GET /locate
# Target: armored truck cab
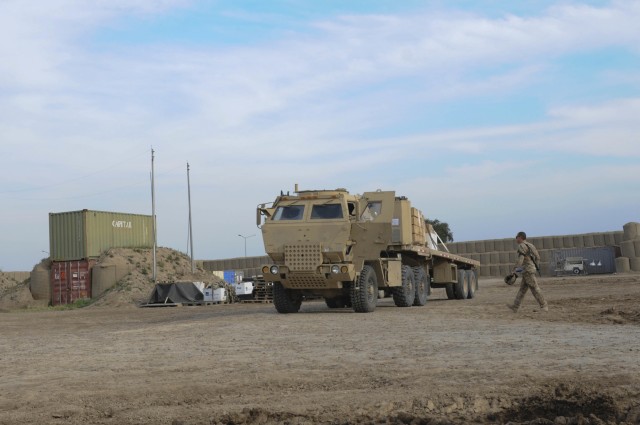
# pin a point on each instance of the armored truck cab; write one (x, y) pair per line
(347, 248)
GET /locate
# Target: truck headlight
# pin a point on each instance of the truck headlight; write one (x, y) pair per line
(335, 269)
(274, 269)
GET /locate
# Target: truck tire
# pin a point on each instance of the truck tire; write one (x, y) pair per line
(450, 292)
(422, 286)
(576, 270)
(404, 295)
(285, 300)
(364, 295)
(461, 287)
(473, 284)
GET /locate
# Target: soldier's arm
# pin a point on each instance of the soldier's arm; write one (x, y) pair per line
(519, 259)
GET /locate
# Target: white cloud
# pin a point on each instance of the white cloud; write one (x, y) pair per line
(338, 106)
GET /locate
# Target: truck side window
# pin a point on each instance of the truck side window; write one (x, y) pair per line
(326, 211)
(289, 212)
(371, 211)
(352, 208)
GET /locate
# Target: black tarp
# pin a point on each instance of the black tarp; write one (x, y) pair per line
(179, 292)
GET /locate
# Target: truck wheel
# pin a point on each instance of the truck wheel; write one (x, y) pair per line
(422, 286)
(475, 273)
(450, 292)
(461, 287)
(576, 270)
(364, 295)
(473, 284)
(338, 302)
(285, 300)
(404, 295)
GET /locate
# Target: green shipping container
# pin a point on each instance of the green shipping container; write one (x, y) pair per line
(77, 235)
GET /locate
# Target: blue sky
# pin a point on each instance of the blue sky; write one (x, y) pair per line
(494, 116)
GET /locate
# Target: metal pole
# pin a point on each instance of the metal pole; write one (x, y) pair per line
(245, 243)
(193, 264)
(153, 218)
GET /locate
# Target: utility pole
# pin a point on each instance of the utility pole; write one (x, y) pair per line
(193, 264)
(245, 243)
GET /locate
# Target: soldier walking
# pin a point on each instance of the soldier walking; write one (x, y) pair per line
(527, 264)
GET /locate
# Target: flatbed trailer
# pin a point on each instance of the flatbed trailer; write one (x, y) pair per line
(349, 248)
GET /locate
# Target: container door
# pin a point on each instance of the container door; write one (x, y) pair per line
(70, 281)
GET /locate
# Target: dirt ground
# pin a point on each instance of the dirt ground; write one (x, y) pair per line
(450, 362)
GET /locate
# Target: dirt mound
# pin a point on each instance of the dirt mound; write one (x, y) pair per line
(617, 316)
(6, 281)
(136, 286)
(567, 403)
(16, 295)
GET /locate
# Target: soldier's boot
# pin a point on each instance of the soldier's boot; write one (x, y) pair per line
(513, 307)
(544, 307)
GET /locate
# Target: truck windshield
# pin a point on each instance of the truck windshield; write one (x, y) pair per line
(326, 211)
(289, 212)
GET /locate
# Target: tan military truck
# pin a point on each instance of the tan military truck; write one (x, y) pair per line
(351, 249)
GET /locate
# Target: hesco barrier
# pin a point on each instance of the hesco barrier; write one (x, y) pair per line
(104, 276)
(499, 255)
(630, 246)
(17, 276)
(40, 282)
(248, 266)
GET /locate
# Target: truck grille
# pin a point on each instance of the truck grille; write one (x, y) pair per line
(306, 281)
(303, 257)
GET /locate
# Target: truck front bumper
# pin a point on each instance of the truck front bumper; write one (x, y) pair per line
(324, 277)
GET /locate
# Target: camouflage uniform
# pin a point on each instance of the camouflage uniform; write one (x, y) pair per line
(528, 276)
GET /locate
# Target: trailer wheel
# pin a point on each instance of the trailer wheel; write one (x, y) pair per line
(404, 295)
(285, 300)
(461, 287)
(473, 284)
(364, 295)
(422, 286)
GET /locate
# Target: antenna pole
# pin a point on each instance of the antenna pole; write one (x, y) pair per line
(193, 264)
(153, 217)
